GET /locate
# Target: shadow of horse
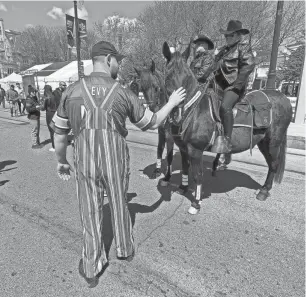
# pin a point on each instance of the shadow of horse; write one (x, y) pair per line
(224, 182)
(134, 208)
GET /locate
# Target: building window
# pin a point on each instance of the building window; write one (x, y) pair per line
(10, 71)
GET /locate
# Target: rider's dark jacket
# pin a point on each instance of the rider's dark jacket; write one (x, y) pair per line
(233, 65)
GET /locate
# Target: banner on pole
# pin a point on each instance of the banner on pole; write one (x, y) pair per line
(69, 29)
(82, 29)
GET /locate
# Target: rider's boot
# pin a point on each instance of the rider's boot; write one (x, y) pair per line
(223, 144)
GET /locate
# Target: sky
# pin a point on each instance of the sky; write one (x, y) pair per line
(17, 15)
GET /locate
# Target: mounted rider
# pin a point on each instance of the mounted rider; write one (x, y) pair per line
(234, 63)
(203, 58)
(202, 64)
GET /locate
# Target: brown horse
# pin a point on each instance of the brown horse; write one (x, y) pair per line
(198, 134)
(151, 84)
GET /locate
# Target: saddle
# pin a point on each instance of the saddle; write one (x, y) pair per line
(253, 111)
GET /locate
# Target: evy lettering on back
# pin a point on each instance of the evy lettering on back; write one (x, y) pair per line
(98, 91)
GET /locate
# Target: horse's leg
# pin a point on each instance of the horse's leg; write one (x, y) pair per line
(170, 146)
(160, 149)
(185, 170)
(197, 173)
(215, 164)
(275, 156)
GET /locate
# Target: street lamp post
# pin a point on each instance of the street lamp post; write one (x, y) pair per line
(77, 34)
(274, 53)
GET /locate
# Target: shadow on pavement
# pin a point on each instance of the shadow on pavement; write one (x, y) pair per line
(3, 182)
(225, 181)
(3, 164)
(134, 208)
(45, 142)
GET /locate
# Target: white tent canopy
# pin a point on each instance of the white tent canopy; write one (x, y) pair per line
(68, 73)
(38, 67)
(13, 78)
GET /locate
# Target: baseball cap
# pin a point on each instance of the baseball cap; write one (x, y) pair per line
(104, 48)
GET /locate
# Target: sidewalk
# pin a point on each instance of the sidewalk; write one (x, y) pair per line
(295, 135)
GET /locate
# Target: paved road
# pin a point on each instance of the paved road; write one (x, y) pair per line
(236, 246)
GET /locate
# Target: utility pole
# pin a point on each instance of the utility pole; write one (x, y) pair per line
(274, 53)
(77, 34)
(299, 117)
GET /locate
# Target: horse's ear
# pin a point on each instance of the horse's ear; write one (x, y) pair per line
(166, 51)
(186, 53)
(137, 71)
(152, 67)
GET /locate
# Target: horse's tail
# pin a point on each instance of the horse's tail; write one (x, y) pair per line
(281, 161)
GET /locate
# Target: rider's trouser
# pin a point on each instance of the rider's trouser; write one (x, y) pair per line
(102, 164)
(226, 112)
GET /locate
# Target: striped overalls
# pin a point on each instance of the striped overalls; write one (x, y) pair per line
(101, 164)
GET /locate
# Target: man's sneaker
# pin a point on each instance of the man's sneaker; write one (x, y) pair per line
(51, 149)
(128, 258)
(93, 281)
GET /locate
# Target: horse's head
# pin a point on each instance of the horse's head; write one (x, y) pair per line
(152, 87)
(178, 73)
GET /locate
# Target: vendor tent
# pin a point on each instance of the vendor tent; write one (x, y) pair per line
(68, 73)
(12, 78)
(36, 68)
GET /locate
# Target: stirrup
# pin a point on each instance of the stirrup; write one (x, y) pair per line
(222, 145)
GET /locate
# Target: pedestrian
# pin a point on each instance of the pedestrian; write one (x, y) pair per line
(33, 109)
(2, 96)
(59, 91)
(96, 108)
(21, 99)
(12, 98)
(235, 62)
(51, 104)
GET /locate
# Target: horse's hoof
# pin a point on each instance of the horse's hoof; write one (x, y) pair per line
(222, 167)
(164, 183)
(262, 195)
(156, 173)
(183, 189)
(193, 210)
(213, 173)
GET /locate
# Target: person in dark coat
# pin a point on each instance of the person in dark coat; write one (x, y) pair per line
(51, 104)
(33, 108)
(203, 58)
(59, 91)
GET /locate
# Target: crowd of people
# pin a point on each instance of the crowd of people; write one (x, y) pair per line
(30, 105)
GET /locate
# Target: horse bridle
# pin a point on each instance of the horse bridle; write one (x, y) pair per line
(157, 98)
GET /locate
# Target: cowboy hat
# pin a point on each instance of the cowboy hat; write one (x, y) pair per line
(203, 38)
(234, 26)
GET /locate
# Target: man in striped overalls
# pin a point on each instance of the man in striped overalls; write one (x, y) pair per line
(96, 108)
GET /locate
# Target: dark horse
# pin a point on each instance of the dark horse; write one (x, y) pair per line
(151, 84)
(197, 136)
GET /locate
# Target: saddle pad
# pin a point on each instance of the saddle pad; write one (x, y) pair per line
(260, 115)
